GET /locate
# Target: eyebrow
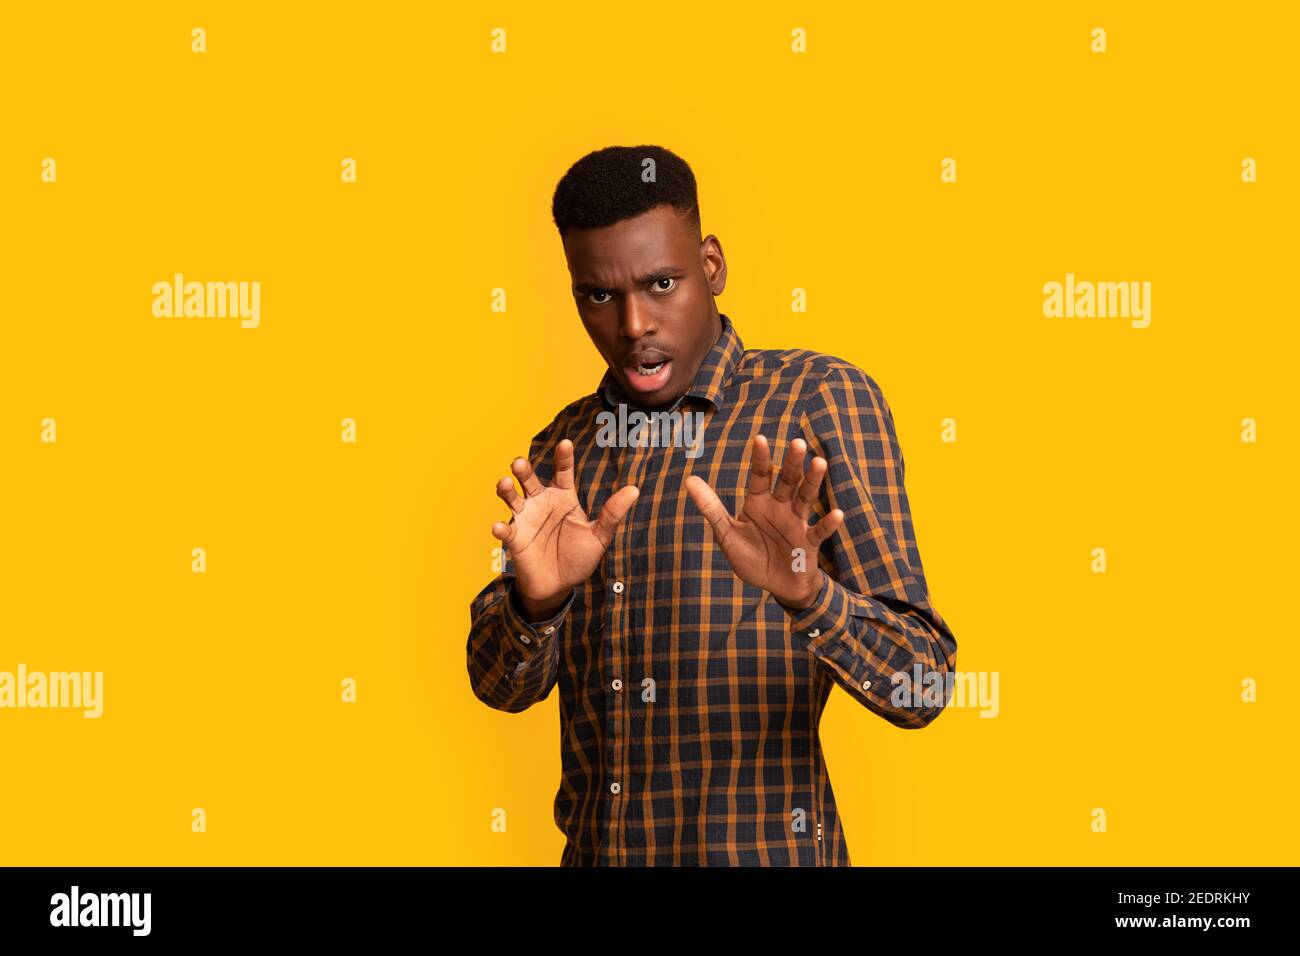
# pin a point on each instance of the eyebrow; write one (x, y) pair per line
(663, 273)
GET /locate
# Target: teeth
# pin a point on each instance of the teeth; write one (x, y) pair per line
(649, 369)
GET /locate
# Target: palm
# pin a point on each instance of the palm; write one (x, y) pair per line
(552, 543)
(764, 542)
(554, 547)
(771, 545)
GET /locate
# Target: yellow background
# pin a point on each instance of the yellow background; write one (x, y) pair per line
(818, 171)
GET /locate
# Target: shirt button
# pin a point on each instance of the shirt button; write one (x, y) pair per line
(618, 684)
(814, 632)
(614, 788)
(525, 638)
(618, 587)
(866, 685)
(549, 630)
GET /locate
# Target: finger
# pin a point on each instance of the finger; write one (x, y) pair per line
(825, 528)
(615, 510)
(505, 533)
(710, 506)
(506, 492)
(791, 470)
(563, 469)
(760, 467)
(808, 490)
(523, 470)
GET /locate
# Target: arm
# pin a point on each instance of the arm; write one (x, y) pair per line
(517, 622)
(873, 618)
(512, 658)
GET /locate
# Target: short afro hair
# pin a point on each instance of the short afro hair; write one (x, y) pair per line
(609, 185)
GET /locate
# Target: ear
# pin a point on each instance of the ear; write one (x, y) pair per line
(714, 262)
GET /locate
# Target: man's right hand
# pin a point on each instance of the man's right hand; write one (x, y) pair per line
(553, 546)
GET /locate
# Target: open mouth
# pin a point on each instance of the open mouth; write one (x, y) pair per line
(649, 376)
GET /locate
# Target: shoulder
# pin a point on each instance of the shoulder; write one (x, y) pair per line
(818, 376)
(569, 420)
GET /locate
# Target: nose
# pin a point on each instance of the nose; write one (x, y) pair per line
(637, 322)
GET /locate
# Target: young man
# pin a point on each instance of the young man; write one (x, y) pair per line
(695, 650)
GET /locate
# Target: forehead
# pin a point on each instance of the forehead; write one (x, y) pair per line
(654, 239)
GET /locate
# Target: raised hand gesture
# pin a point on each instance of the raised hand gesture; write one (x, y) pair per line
(761, 544)
(550, 541)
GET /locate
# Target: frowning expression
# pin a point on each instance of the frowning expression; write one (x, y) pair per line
(645, 290)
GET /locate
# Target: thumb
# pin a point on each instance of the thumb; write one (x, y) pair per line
(611, 516)
(714, 511)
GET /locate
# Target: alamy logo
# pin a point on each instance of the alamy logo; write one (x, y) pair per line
(950, 689)
(655, 430)
(208, 300)
(75, 689)
(102, 909)
(1099, 300)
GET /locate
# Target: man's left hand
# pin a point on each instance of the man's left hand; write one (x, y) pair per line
(772, 537)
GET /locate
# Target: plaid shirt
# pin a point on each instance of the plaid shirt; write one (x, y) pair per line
(690, 700)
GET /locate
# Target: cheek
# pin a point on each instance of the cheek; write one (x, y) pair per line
(597, 339)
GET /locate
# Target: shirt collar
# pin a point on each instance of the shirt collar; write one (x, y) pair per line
(710, 378)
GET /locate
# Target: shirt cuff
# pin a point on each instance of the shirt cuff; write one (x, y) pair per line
(823, 627)
(529, 637)
(827, 616)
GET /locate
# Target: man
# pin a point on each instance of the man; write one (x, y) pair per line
(695, 650)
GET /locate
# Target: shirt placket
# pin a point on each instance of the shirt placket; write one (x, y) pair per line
(619, 619)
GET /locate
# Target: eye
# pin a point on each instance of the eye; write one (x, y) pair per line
(597, 293)
(665, 279)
